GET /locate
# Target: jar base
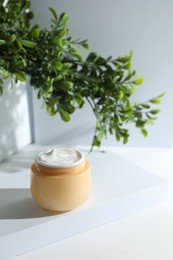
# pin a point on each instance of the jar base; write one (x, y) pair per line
(58, 210)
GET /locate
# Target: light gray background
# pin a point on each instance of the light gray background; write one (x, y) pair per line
(114, 27)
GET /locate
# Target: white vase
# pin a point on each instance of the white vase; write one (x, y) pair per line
(15, 130)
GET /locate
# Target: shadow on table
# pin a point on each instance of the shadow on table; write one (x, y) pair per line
(20, 161)
(18, 204)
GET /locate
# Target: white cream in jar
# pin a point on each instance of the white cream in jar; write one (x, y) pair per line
(60, 157)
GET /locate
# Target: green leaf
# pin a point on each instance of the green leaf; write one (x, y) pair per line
(140, 124)
(128, 65)
(96, 142)
(85, 45)
(59, 77)
(120, 95)
(150, 122)
(145, 106)
(59, 42)
(63, 20)
(161, 95)
(77, 54)
(149, 116)
(125, 58)
(100, 135)
(118, 137)
(19, 44)
(92, 56)
(1, 87)
(100, 61)
(67, 85)
(28, 44)
(2, 42)
(155, 101)
(50, 108)
(130, 75)
(66, 67)
(24, 63)
(58, 65)
(39, 94)
(132, 89)
(59, 53)
(1, 90)
(125, 139)
(61, 33)
(69, 108)
(12, 38)
(78, 99)
(35, 32)
(20, 75)
(154, 111)
(64, 115)
(138, 81)
(53, 13)
(144, 132)
(5, 74)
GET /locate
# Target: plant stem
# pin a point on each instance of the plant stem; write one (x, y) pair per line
(92, 107)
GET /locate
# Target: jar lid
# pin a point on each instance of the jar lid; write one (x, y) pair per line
(60, 157)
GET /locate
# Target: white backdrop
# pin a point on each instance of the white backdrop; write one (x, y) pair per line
(114, 27)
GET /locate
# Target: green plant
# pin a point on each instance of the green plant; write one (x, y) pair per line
(63, 79)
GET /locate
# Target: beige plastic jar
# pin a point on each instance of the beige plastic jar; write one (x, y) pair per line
(60, 179)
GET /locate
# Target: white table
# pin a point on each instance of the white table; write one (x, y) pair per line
(145, 235)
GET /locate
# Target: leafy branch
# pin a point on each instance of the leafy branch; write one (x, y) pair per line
(64, 80)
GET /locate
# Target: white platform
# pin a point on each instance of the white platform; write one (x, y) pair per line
(120, 188)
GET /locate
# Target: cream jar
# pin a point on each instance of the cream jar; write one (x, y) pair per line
(60, 179)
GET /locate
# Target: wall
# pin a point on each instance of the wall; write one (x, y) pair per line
(114, 27)
(14, 120)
